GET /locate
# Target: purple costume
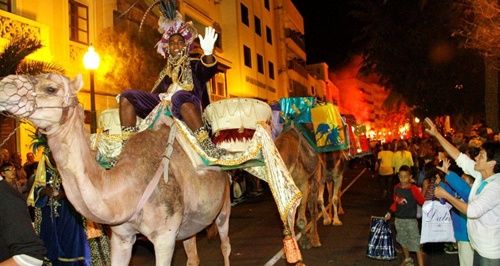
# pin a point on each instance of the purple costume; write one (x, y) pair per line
(145, 102)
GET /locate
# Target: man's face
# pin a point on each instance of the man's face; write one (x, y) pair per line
(22, 181)
(30, 157)
(481, 161)
(176, 44)
(9, 173)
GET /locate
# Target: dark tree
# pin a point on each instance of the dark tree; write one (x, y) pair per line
(411, 45)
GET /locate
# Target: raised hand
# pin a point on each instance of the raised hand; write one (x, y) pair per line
(207, 43)
(430, 127)
(446, 165)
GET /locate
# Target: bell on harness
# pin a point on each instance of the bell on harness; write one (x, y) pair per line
(207, 145)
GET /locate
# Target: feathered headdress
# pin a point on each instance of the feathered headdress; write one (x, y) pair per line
(170, 23)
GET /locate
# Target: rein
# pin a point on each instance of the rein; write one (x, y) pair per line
(64, 116)
(162, 170)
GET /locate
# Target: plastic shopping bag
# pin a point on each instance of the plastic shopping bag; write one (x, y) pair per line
(436, 222)
(380, 242)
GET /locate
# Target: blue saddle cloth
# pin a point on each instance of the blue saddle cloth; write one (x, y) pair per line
(297, 109)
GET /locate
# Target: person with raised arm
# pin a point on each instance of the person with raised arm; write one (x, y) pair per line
(483, 206)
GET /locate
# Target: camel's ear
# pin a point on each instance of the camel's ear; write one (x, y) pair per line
(77, 83)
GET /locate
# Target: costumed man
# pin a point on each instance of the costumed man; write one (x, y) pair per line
(70, 238)
(182, 82)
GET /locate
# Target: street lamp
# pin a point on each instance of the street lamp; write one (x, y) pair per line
(91, 62)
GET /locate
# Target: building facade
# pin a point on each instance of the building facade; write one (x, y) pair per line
(261, 50)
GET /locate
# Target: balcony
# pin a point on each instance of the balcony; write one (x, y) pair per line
(14, 25)
(295, 42)
(297, 66)
(297, 38)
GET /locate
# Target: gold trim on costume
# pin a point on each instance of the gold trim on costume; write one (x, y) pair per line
(208, 64)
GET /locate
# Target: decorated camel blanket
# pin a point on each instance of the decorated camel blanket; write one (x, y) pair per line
(260, 158)
(320, 123)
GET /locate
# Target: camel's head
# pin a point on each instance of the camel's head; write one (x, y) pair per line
(39, 98)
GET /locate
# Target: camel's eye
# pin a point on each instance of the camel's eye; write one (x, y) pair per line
(51, 90)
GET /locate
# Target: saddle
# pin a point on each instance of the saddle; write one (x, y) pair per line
(256, 155)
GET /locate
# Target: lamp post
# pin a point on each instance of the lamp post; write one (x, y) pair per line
(91, 62)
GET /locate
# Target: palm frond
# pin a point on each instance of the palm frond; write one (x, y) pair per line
(30, 67)
(39, 141)
(16, 50)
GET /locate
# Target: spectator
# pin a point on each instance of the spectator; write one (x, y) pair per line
(402, 156)
(385, 170)
(30, 167)
(405, 199)
(8, 172)
(483, 207)
(460, 188)
(19, 244)
(4, 156)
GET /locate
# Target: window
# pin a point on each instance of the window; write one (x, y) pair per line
(201, 30)
(270, 67)
(5, 5)
(269, 35)
(218, 87)
(266, 5)
(244, 15)
(78, 22)
(260, 64)
(247, 53)
(258, 28)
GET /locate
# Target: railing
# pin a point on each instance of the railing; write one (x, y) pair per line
(14, 25)
(296, 37)
(297, 67)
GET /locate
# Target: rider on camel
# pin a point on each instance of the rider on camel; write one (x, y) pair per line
(182, 81)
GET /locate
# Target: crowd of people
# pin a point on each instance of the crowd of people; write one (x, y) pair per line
(458, 169)
(38, 224)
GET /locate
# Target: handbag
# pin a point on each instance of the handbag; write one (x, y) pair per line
(381, 241)
(437, 225)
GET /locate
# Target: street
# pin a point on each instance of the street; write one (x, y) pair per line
(255, 232)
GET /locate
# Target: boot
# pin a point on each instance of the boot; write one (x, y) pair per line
(207, 145)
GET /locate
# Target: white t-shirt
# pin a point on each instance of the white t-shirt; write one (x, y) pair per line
(483, 211)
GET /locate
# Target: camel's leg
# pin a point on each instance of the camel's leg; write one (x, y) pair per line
(191, 251)
(222, 222)
(321, 192)
(122, 241)
(313, 210)
(164, 239)
(337, 184)
(301, 216)
(321, 203)
(329, 209)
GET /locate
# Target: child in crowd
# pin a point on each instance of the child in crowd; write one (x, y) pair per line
(405, 199)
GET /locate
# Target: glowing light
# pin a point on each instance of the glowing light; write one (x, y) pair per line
(91, 59)
(417, 120)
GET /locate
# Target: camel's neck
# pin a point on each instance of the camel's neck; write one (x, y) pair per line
(86, 183)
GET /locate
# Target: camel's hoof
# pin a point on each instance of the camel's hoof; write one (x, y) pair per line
(341, 211)
(337, 223)
(327, 221)
(316, 243)
(300, 264)
(304, 243)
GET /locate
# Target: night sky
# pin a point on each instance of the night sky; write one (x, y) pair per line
(329, 31)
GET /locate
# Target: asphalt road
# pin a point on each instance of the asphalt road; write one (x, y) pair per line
(255, 232)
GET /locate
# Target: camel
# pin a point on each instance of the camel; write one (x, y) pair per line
(305, 168)
(177, 208)
(334, 163)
